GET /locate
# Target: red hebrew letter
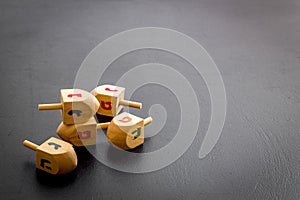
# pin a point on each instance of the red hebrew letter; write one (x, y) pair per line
(76, 95)
(106, 105)
(84, 135)
(125, 119)
(107, 89)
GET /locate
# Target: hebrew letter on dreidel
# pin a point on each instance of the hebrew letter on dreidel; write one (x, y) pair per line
(137, 132)
(106, 105)
(84, 135)
(125, 119)
(56, 146)
(43, 162)
(74, 95)
(77, 112)
(107, 89)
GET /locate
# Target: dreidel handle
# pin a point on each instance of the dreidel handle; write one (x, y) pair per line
(102, 125)
(30, 145)
(53, 106)
(147, 121)
(131, 104)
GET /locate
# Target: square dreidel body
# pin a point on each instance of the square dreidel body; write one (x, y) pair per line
(109, 97)
(78, 106)
(79, 134)
(126, 131)
(56, 156)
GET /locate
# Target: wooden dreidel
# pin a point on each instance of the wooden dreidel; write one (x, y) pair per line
(111, 99)
(80, 134)
(54, 156)
(77, 106)
(126, 131)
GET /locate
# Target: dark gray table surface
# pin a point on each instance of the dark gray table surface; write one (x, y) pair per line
(255, 44)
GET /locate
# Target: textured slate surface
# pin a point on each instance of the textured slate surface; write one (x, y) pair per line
(256, 47)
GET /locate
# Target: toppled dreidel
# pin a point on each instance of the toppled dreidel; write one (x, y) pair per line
(54, 156)
(111, 99)
(126, 131)
(77, 106)
(81, 134)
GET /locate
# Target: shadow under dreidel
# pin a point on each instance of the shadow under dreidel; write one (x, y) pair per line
(103, 118)
(55, 180)
(86, 161)
(138, 149)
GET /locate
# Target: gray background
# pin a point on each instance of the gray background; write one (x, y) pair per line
(256, 47)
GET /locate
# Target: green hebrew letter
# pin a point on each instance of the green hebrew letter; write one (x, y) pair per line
(138, 131)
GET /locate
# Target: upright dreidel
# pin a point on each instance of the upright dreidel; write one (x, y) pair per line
(54, 156)
(111, 99)
(77, 106)
(125, 131)
(81, 134)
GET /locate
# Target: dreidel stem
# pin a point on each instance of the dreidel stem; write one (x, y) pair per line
(102, 125)
(131, 104)
(30, 145)
(147, 121)
(53, 106)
